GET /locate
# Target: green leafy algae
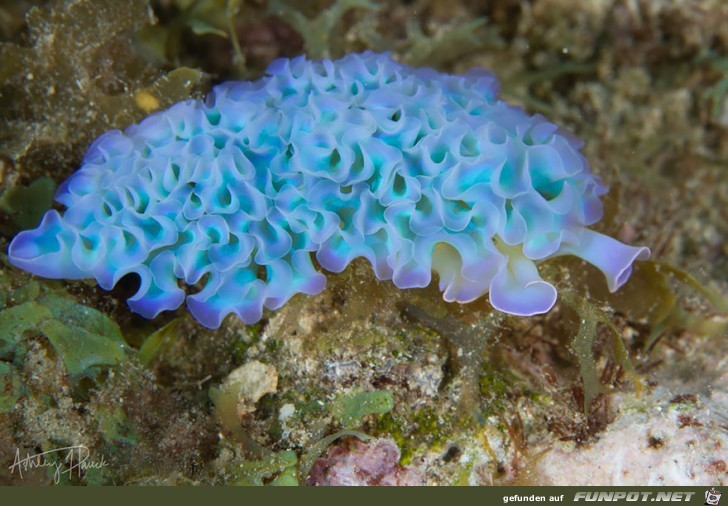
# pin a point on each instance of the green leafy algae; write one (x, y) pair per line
(279, 469)
(317, 32)
(583, 348)
(84, 338)
(351, 409)
(27, 204)
(449, 43)
(158, 342)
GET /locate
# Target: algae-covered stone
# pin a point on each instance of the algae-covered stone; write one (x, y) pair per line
(59, 89)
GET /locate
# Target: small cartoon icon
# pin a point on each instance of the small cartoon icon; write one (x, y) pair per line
(712, 497)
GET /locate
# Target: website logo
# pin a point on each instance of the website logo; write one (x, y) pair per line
(712, 497)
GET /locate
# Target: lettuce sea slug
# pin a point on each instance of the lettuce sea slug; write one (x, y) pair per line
(414, 170)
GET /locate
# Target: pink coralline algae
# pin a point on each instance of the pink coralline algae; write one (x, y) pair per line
(357, 463)
(414, 170)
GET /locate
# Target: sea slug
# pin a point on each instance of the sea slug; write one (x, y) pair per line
(414, 170)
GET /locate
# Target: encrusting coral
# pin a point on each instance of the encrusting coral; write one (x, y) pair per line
(415, 170)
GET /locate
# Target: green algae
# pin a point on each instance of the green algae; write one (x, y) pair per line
(159, 342)
(322, 34)
(56, 355)
(418, 431)
(652, 298)
(308, 459)
(188, 22)
(494, 387)
(29, 309)
(27, 204)
(583, 348)
(83, 337)
(449, 43)
(279, 469)
(351, 409)
(285, 468)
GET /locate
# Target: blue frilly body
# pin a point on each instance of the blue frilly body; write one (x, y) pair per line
(414, 170)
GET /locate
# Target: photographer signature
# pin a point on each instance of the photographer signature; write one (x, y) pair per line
(67, 460)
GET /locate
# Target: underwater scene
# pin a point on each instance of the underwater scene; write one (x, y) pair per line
(364, 242)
